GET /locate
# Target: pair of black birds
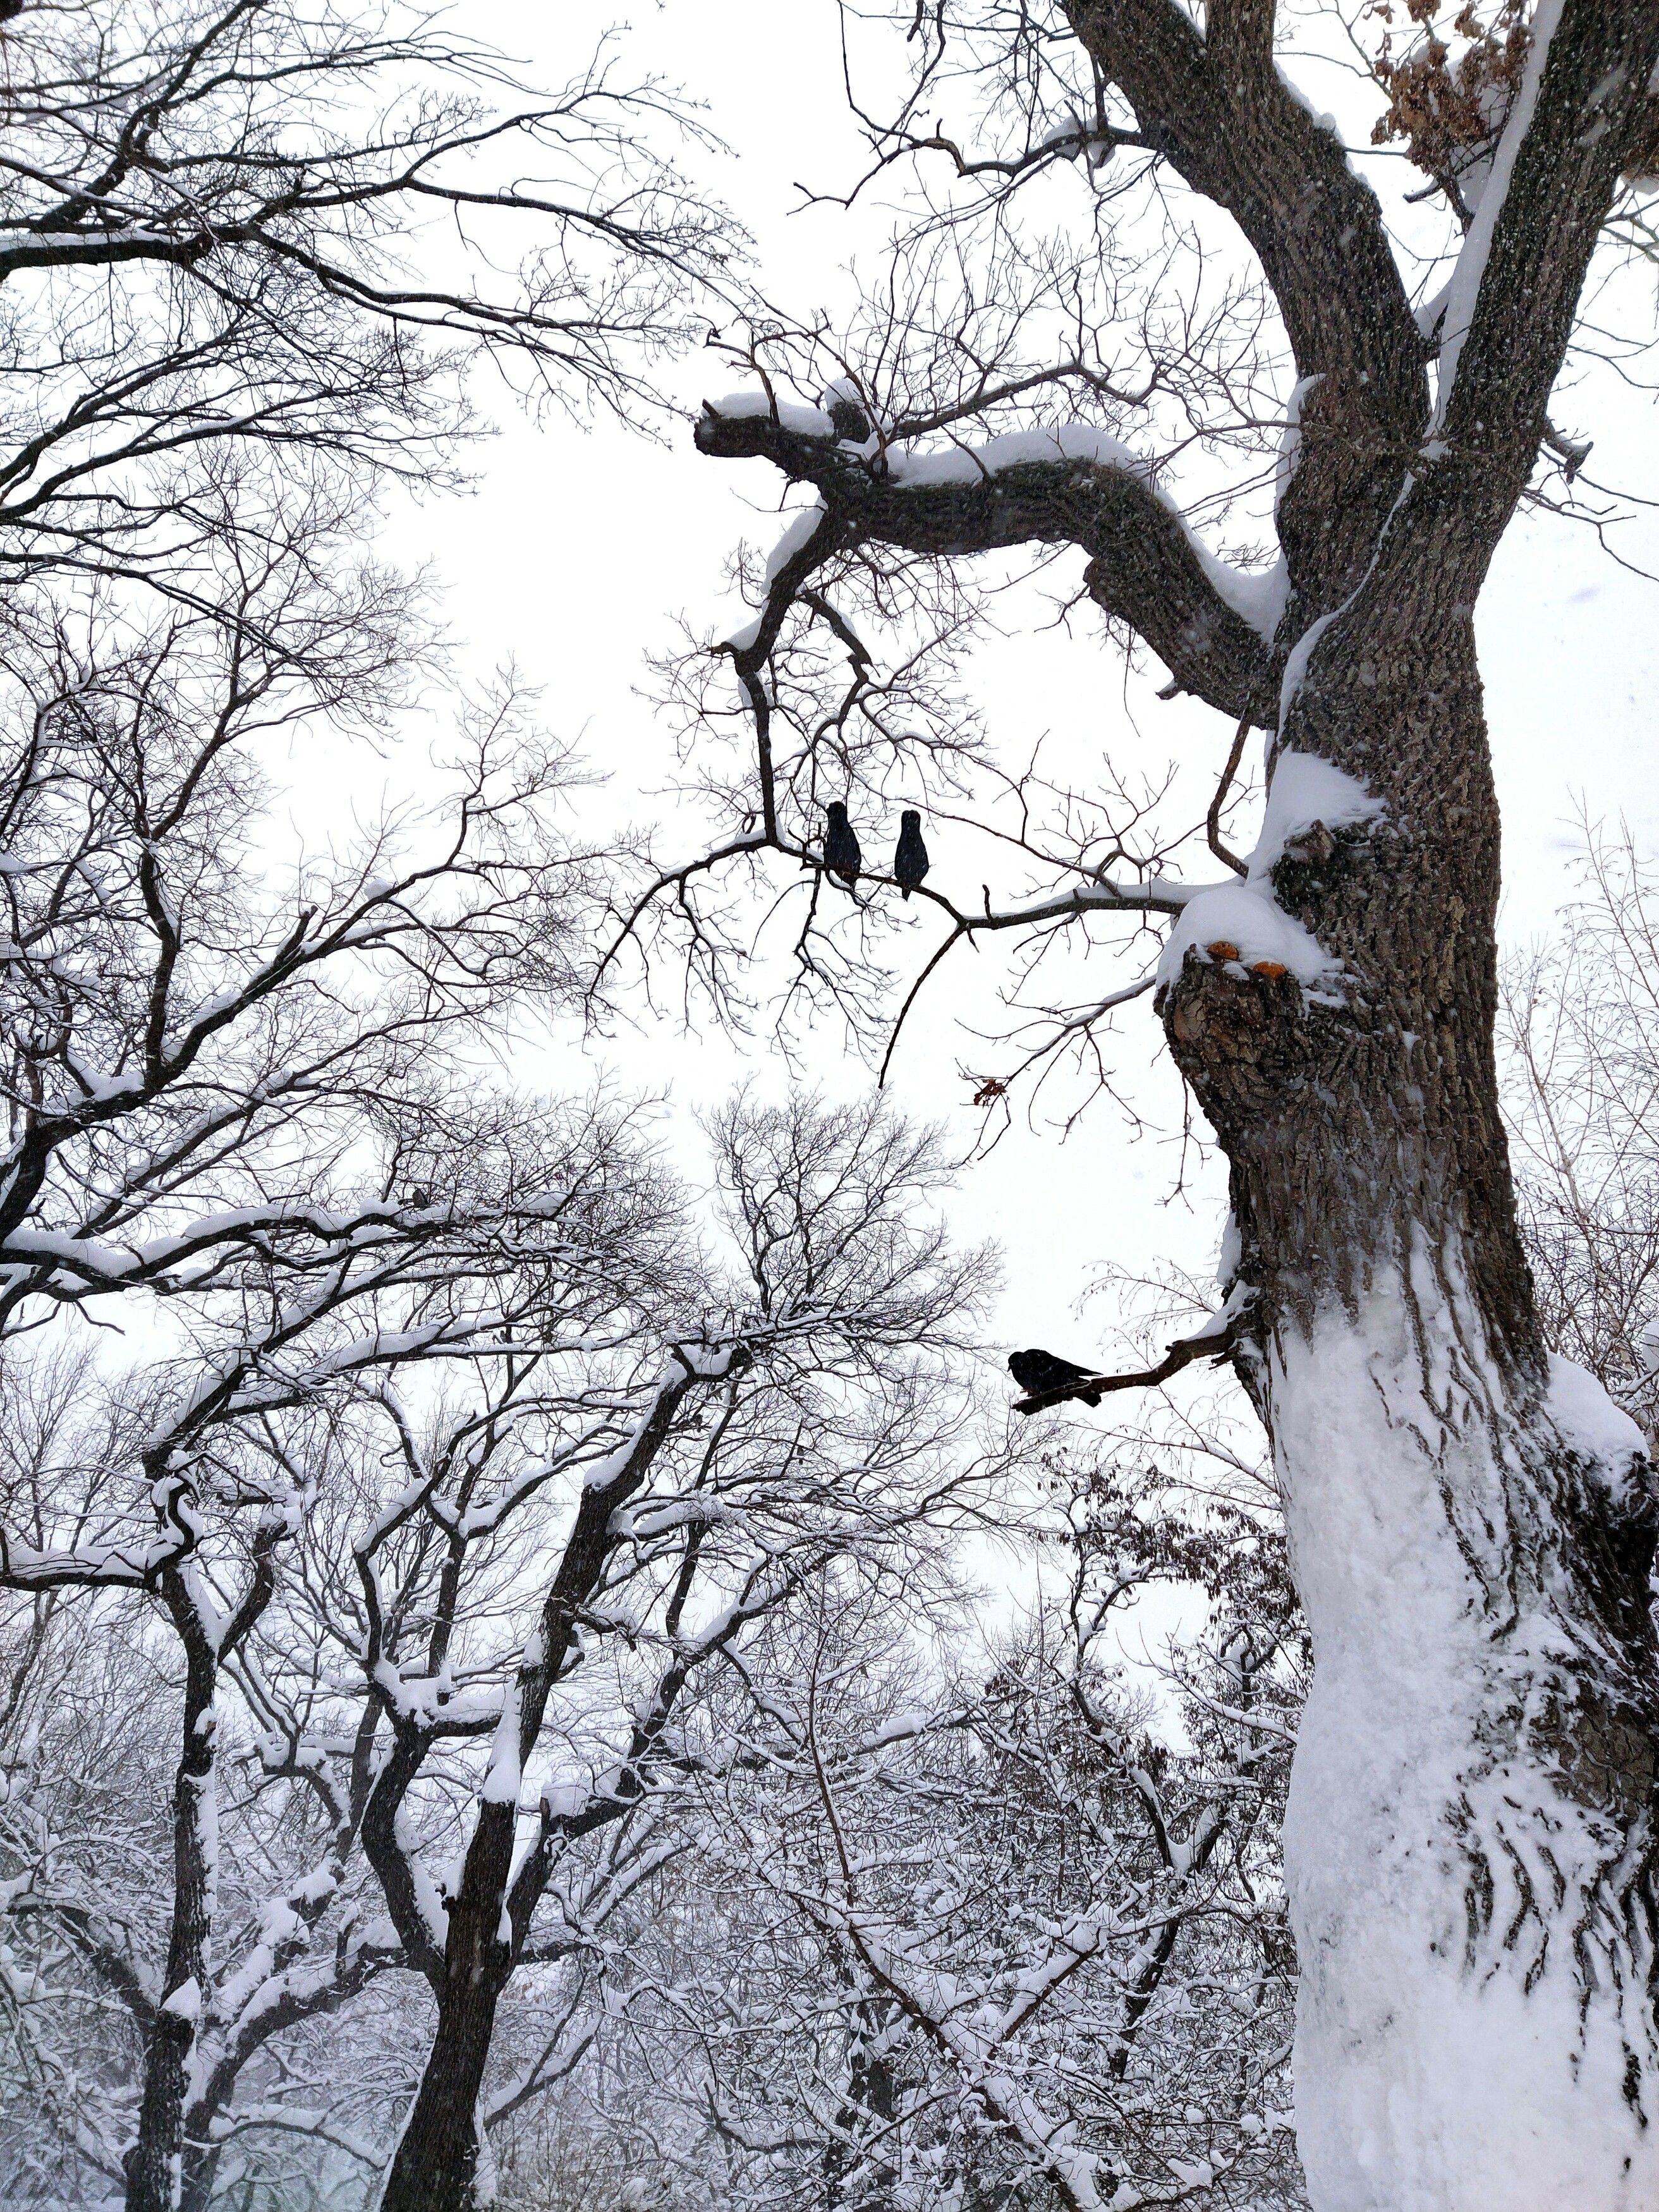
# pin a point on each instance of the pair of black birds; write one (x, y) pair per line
(844, 857)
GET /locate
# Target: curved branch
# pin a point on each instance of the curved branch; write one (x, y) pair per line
(1075, 487)
(1212, 820)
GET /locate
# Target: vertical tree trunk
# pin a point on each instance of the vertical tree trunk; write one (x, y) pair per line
(435, 2165)
(434, 2168)
(855, 2181)
(154, 2165)
(199, 2173)
(1470, 1843)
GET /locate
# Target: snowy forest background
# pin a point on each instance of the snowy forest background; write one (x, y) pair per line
(408, 1315)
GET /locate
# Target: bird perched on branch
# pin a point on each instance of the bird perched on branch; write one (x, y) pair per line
(841, 403)
(910, 862)
(842, 853)
(1038, 1372)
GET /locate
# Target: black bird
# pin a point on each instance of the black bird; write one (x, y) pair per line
(852, 423)
(841, 855)
(910, 862)
(1037, 1371)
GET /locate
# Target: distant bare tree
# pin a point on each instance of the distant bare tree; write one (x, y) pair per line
(1017, 1948)
(193, 1493)
(557, 1406)
(247, 253)
(703, 1484)
(974, 1920)
(1579, 1028)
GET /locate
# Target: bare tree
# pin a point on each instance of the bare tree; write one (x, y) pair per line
(250, 238)
(196, 1492)
(703, 1484)
(1471, 1837)
(990, 1931)
(237, 1123)
(1579, 1026)
(248, 253)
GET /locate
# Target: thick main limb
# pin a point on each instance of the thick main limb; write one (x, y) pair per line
(1217, 106)
(1582, 105)
(1146, 569)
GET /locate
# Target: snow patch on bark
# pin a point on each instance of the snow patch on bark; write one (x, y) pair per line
(1305, 790)
(1013, 449)
(740, 406)
(801, 532)
(1257, 596)
(1244, 916)
(1431, 2077)
(1591, 1422)
(1232, 1251)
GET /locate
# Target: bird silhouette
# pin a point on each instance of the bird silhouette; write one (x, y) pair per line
(910, 862)
(841, 855)
(1037, 1371)
(852, 423)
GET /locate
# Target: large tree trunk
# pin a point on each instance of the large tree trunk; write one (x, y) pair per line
(1470, 1837)
(435, 2166)
(1470, 1845)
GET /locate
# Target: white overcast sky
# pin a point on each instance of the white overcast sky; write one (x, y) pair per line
(577, 551)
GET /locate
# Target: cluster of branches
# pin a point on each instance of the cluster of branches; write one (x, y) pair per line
(1580, 1027)
(804, 1912)
(1067, 372)
(1017, 1946)
(245, 241)
(257, 1164)
(433, 1601)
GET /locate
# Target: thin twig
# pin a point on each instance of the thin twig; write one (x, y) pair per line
(1212, 820)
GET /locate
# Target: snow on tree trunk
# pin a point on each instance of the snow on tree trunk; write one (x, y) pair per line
(1470, 1843)
(1470, 1850)
(1469, 1838)
(436, 2163)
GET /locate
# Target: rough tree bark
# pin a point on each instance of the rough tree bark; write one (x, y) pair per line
(1471, 1841)
(156, 2160)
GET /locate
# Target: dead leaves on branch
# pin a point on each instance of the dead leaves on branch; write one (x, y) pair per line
(1448, 111)
(1450, 90)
